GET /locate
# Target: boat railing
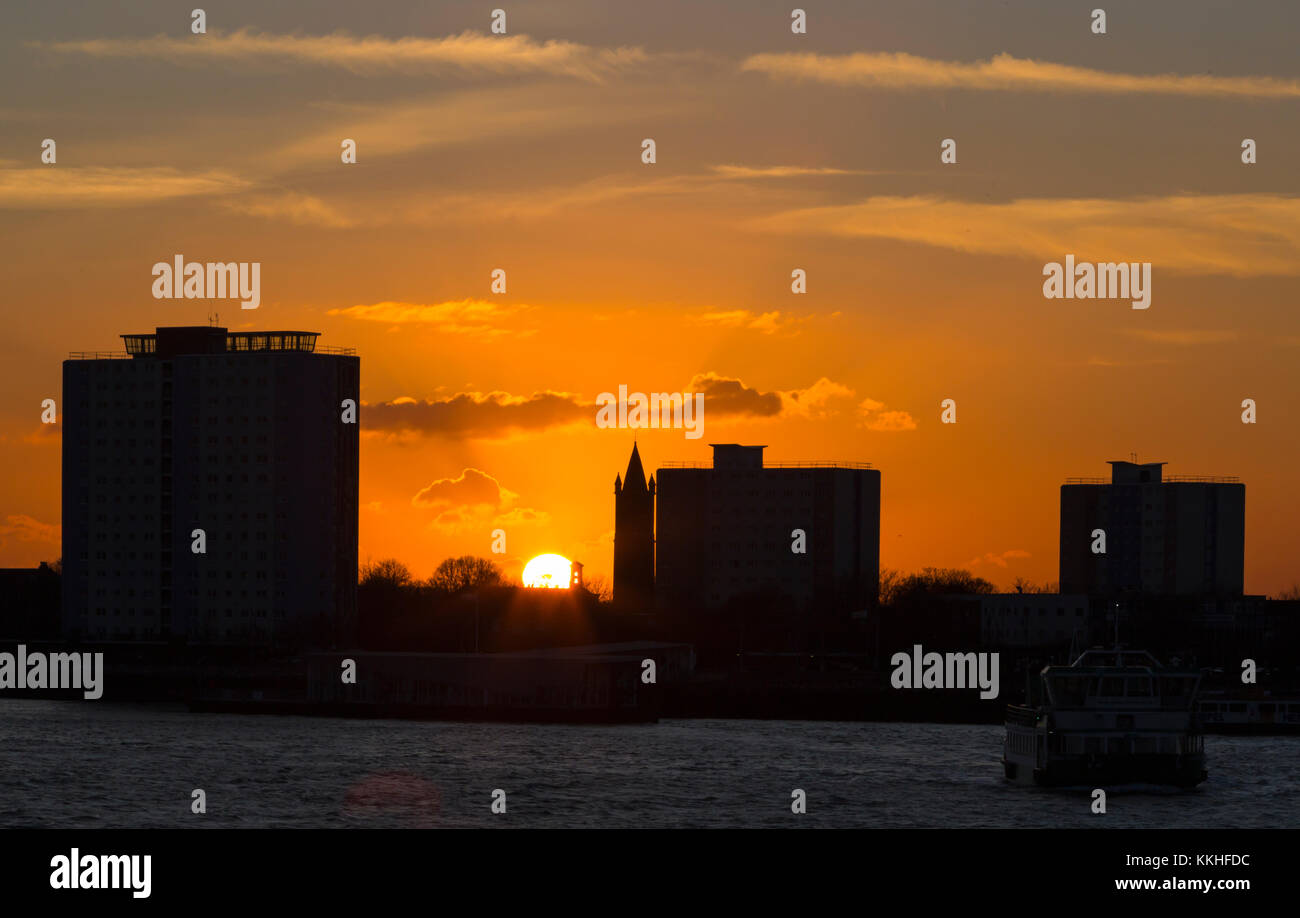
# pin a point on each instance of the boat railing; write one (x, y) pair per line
(1022, 716)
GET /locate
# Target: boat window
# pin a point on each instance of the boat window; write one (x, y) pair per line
(1175, 687)
(1069, 691)
(1237, 708)
(1111, 687)
(1266, 708)
(1139, 687)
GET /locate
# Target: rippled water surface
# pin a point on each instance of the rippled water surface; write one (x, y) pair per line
(70, 764)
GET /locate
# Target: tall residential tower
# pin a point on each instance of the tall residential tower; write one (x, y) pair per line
(1165, 535)
(237, 443)
(729, 529)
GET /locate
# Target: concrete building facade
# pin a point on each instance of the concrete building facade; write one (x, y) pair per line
(727, 529)
(239, 434)
(1033, 619)
(1173, 536)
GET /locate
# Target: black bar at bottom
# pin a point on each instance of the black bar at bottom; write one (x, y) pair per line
(567, 868)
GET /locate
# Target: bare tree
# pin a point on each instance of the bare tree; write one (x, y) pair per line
(388, 573)
(1023, 585)
(890, 580)
(465, 573)
(932, 581)
(599, 585)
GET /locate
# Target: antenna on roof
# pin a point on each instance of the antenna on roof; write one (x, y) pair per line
(1135, 457)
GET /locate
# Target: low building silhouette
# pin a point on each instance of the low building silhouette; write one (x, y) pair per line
(29, 597)
(1017, 620)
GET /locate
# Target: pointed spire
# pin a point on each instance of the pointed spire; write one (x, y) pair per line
(618, 484)
(635, 477)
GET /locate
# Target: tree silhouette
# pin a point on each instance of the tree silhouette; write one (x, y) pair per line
(912, 589)
(1023, 585)
(388, 574)
(599, 586)
(467, 572)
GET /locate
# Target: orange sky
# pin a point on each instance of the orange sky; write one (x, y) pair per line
(774, 152)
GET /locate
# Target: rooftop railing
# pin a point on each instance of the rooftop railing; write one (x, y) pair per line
(122, 355)
(794, 464)
(1167, 479)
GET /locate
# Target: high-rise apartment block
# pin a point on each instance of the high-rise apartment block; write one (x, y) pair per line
(729, 529)
(210, 490)
(1164, 535)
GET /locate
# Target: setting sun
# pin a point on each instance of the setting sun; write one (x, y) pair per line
(548, 572)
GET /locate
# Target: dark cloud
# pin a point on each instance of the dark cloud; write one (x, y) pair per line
(477, 414)
(723, 396)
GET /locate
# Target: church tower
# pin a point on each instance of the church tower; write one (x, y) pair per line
(634, 538)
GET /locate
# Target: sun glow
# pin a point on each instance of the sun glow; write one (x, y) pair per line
(548, 572)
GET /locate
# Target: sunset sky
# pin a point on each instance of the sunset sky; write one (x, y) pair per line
(775, 151)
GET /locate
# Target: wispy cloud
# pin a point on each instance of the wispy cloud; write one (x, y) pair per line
(295, 207)
(768, 322)
(1184, 337)
(1096, 361)
(1006, 73)
(481, 318)
(1235, 234)
(470, 115)
(545, 202)
(54, 187)
(19, 527)
(873, 418)
(999, 560)
(466, 54)
(755, 172)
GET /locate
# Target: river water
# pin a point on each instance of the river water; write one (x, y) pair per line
(78, 764)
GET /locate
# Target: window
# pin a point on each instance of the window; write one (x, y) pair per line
(1111, 687)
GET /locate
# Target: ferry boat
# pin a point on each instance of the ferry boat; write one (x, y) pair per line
(1110, 717)
(1223, 714)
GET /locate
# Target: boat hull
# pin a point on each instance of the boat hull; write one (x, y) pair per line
(1185, 771)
